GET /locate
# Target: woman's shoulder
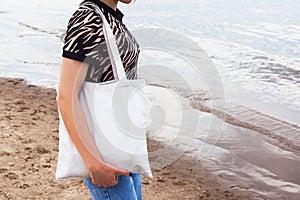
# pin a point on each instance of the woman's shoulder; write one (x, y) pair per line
(84, 32)
(88, 6)
(84, 15)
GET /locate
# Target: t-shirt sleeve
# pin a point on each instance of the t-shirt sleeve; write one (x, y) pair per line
(82, 35)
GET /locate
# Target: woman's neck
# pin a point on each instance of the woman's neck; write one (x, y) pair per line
(111, 3)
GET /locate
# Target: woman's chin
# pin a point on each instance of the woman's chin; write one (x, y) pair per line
(126, 1)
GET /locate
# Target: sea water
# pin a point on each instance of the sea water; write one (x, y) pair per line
(255, 45)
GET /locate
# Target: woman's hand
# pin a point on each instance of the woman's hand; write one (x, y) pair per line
(104, 174)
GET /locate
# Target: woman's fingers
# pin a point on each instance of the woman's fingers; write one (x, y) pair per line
(122, 172)
(105, 181)
(107, 176)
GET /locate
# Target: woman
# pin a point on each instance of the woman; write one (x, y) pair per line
(85, 58)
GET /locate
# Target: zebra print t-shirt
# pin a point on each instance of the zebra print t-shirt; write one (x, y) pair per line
(84, 41)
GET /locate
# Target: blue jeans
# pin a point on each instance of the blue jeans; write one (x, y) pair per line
(128, 188)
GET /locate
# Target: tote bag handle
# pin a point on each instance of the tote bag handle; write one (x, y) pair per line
(114, 55)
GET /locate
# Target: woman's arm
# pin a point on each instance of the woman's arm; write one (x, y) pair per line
(71, 80)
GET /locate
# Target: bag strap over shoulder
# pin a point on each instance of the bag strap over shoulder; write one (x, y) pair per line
(114, 55)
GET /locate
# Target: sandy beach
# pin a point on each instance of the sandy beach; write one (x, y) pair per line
(29, 147)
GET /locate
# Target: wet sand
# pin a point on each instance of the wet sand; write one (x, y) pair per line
(29, 147)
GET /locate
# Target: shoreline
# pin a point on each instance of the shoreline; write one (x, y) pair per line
(29, 147)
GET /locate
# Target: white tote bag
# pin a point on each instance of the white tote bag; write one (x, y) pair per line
(116, 113)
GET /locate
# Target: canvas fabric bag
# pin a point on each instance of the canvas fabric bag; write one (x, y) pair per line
(116, 113)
